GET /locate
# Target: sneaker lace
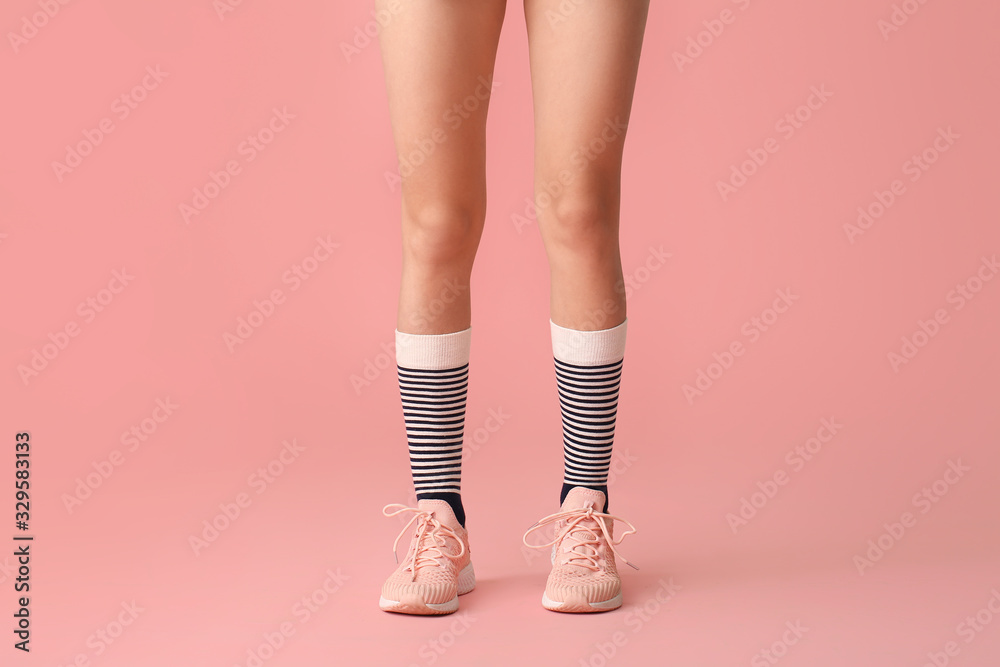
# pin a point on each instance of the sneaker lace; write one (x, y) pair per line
(431, 538)
(580, 524)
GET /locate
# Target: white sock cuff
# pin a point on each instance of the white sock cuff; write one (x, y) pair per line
(433, 351)
(589, 348)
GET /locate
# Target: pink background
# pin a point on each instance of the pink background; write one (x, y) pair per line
(683, 465)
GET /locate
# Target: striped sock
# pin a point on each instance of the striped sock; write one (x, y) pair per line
(433, 374)
(588, 372)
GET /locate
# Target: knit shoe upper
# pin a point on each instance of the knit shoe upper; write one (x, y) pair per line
(584, 575)
(437, 567)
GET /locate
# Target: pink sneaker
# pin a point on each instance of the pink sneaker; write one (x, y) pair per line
(584, 577)
(437, 568)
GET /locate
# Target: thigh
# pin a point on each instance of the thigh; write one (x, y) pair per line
(438, 57)
(584, 57)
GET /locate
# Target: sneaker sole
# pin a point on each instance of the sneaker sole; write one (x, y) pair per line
(416, 605)
(580, 605)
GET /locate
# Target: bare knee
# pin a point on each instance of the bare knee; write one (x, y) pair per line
(580, 221)
(442, 233)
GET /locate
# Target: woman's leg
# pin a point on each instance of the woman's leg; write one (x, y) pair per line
(438, 57)
(583, 74)
(584, 58)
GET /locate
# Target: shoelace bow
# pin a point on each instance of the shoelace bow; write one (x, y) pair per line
(575, 519)
(427, 528)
